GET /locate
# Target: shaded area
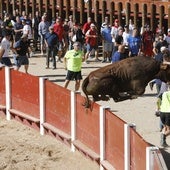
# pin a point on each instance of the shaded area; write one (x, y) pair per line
(166, 157)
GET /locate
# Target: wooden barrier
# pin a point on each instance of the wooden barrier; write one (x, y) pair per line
(2, 88)
(98, 133)
(2, 93)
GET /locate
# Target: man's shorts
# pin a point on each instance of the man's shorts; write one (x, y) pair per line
(22, 60)
(165, 118)
(89, 48)
(71, 75)
(6, 61)
(108, 47)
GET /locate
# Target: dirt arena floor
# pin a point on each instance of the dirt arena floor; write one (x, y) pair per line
(23, 148)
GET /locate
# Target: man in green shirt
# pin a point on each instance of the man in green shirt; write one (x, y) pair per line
(165, 117)
(73, 62)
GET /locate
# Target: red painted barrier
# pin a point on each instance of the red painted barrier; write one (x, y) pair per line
(138, 152)
(25, 93)
(98, 133)
(88, 125)
(2, 87)
(114, 128)
(57, 106)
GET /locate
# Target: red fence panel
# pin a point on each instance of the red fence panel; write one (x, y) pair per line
(25, 93)
(57, 106)
(114, 144)
(2, 87)
(87, 130)
(138, 151)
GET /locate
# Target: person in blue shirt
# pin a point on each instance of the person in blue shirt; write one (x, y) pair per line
(134, 43)
(107, 42)
(119, 54)
(51, 41)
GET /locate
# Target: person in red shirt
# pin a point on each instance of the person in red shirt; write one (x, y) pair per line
(86, 26)
(91, 37)
(147, 42)
(59, 30)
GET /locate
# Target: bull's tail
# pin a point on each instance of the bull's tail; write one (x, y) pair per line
(84, 86)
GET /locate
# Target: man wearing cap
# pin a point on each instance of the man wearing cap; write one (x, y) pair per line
(21, 48)
(107, 42)
(91, 37)
(73, 63)
(51, 40)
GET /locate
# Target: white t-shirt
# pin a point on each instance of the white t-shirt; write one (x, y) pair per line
(5, 44)
(114, 32)
(125, 38)
(27, 30)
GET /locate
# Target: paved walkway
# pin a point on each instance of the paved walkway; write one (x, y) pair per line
(139, 111)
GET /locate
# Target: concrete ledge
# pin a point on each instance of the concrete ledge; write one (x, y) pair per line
(57, 131)
(107, 165)
(24, 115)
(2, 107)
(87, 151)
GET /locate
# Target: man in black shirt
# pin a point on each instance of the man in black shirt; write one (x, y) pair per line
(21, 49)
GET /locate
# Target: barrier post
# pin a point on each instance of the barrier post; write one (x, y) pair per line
(73, 119)
(42, 104)
(8, 92)
(127, 145)
(150, 157)
(102, 134)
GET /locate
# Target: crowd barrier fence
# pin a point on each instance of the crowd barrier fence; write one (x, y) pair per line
(98, 133)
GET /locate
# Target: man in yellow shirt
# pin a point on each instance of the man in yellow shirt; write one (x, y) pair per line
(73, 62)
(165, 117)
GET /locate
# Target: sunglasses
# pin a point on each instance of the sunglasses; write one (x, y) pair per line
(76, 54)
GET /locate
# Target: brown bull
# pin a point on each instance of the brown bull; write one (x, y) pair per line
(126, 79)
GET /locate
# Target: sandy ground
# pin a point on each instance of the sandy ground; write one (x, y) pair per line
(23, 148)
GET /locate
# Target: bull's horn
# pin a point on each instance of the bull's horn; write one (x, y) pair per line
(166, 62)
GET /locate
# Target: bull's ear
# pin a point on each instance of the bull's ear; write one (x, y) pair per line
(163, 66)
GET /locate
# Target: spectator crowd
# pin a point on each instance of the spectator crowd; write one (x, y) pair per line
(91, 35)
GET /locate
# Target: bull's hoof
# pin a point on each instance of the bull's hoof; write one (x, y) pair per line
(134, 97)
(116, 100)
(86, 105)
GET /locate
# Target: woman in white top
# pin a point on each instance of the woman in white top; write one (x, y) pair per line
(5, 47)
